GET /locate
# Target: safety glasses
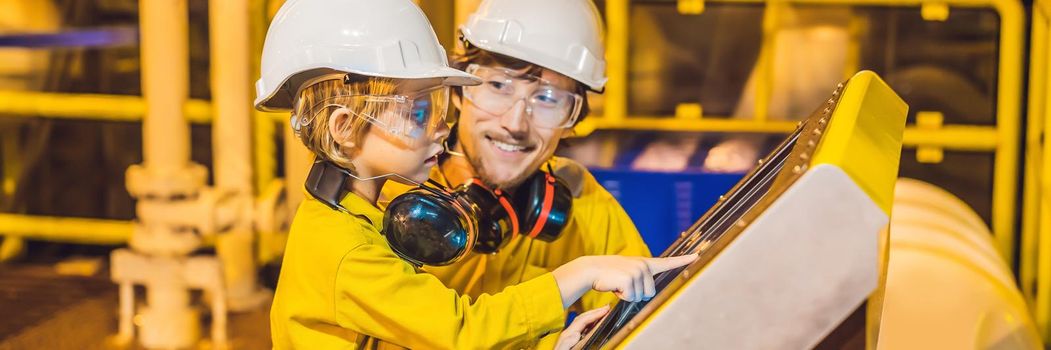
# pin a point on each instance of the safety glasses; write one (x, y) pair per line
(547, 105)
(412, 118)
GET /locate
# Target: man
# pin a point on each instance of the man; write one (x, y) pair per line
(537, 60)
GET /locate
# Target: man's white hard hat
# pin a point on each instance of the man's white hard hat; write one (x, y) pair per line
(565, 36)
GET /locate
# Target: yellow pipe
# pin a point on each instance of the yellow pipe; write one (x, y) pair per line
(998, 4)
(264, 149)
(463, 10)
(1008, 122)
(119, 108)
(297, 162)
(616, 99)
(231, 100)
(264, 127)
(165, 85)
(852, 62)
(1033, 167)
(11, 156)
(232, 144)
(271, 237)
(954, 137)
(765, 65)
(68, 230)
(695, 125)
(10, 138)
(1039, 113)
(230, 84)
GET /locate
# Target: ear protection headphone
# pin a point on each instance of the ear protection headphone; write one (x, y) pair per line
(433, 225)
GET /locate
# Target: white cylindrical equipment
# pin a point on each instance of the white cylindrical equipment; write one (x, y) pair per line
(946, 286)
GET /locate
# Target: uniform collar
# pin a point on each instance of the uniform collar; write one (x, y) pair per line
(364, 209)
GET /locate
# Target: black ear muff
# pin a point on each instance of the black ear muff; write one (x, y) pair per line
(327, 183)
(544, 204)
(428, 229)
(496, 218)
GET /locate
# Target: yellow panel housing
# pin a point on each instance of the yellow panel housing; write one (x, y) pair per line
(864, 137)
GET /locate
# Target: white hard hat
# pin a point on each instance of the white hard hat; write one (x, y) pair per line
(311, 38)
(561, 35)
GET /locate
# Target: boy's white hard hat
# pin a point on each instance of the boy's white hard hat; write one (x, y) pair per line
(385, 38)
(561, 35)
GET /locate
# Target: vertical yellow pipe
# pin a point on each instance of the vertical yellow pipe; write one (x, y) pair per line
(1033, 191)
(125, 327)
(166, 177)
(9, 144)
(1039, 96)
(1008, 124)
(463, 10)
(231, 144)
(616, 99)
(10, 139)
(297, 163)
(442, 14)
(264, 149)
(165, 85)
(231, 101)
(264, 152)
(852, 63)
(765, 67)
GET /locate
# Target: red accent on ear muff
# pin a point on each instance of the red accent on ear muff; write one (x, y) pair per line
(510, 211)
(504, 203)
(545, 209)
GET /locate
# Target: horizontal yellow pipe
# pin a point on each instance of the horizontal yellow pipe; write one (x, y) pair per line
(953, 137)
(64, 229)
(706, 124)
(889, 3)
(121, 108)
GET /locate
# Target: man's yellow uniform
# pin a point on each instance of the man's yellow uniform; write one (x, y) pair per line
(342, 287)
(598, 226)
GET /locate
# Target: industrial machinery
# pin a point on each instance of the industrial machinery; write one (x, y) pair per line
(793, 249)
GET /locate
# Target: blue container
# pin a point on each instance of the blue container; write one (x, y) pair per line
(662, 205)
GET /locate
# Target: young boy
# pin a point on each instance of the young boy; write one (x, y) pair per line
(367, 83)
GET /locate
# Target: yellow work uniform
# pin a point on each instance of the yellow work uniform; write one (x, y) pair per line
(342, 287)
(598, 225)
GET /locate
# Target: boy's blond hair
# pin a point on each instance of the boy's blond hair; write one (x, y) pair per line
(316, 103)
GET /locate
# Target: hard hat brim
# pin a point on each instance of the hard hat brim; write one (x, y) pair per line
(274, 100)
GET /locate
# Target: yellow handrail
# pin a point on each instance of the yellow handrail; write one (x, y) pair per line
(119, 108)
(66, 229)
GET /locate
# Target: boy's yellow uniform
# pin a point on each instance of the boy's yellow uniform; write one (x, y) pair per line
(342, 287)
(598, 226)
